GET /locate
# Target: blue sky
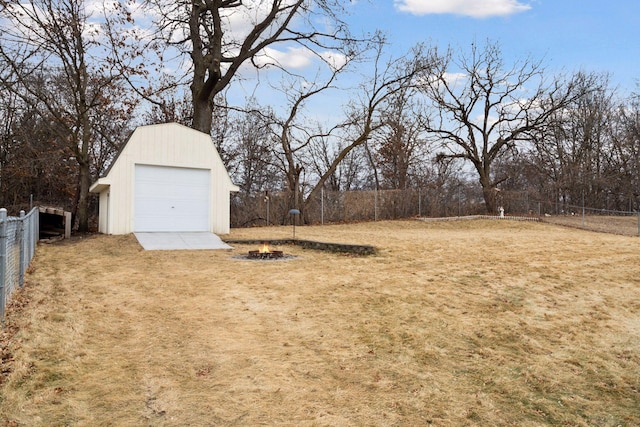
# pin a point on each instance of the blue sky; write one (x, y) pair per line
(567, 35)
(571, 35)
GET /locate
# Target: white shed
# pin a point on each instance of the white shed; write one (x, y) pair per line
(168, 177)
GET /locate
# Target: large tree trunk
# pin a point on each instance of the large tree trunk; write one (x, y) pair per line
(84, 164)
(202, 114)
(295, 196)
(489, 194)
(83, 199)
(206, 56)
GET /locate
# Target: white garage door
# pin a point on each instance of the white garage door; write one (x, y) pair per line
(171, 199)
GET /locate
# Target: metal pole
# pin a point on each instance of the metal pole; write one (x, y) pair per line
(36, 231)
(266, 202)
(375, 205)
(322, 205)
(3, 260)
(22, 249)
(294, 213)
(582, 208)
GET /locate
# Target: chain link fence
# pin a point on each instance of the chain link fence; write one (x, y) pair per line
(262, 209)
(625, 223)
(352, 206)
(18, 239)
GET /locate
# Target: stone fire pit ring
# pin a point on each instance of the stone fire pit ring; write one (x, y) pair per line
(311, 244)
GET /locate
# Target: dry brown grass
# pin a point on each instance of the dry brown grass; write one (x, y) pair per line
(624, 225)
(466, 323)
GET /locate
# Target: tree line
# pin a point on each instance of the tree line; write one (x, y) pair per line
(76, 79)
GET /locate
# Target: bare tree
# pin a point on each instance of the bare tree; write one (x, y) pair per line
(295, 133)
(574, 151)
(34, 161)
(485, 107)
(170, 109)
(309, 152)
(253, 163)
(9, 118)
(219, 36)
(351, 173)
(625, 186)
(365, 114)
(46, 54)
(400, 142)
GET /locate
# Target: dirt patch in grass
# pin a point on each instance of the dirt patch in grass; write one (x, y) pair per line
(465, 323)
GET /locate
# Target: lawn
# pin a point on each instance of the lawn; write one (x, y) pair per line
(624, 225)
(467, 323)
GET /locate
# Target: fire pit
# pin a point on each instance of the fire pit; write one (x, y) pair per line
(265, 252)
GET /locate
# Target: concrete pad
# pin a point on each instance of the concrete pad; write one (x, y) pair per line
(180, 241)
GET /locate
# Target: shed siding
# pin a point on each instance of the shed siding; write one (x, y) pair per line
(170, 145)
(103, 211)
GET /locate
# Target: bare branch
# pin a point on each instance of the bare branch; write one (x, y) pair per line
(489, 108)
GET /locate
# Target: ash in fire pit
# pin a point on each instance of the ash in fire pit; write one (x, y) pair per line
(265, 252)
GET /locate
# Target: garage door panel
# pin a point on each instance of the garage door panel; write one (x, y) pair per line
(171, 199)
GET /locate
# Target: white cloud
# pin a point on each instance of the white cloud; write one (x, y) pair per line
(334, 59)
(292, 58)
(491, 120)
(455, 78)
(473, 8)
(95, 8)
(239, 22)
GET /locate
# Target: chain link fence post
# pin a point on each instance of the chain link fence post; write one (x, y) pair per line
(3, 261)
(23, 246)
